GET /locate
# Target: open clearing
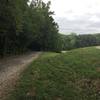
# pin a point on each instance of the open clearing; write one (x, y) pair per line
(72, 75)
(10, 70)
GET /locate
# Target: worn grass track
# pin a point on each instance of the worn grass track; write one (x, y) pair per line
(74, 75)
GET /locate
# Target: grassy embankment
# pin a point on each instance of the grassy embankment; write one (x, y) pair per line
(74, 75)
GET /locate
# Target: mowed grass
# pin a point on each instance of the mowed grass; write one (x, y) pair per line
(74, 75)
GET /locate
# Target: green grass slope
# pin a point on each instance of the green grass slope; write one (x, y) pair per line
(74, 75)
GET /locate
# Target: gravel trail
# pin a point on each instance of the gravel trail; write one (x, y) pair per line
(98, 47)
(10, 69)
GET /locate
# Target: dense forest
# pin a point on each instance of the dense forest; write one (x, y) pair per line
(28, 25)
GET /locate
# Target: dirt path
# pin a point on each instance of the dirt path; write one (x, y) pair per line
(98, 47)
(10, 70)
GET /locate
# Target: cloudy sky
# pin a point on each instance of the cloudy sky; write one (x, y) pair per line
(80, 16)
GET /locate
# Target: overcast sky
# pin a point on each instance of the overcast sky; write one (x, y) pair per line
(80, 16)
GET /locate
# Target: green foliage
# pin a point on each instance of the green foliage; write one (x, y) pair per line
(11, 24)
(88, 40)
(70, 76)
(47, 28)
(24, 26)
(72, 41)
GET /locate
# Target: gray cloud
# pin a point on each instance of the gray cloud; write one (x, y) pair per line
(80, 25)
(80, 16)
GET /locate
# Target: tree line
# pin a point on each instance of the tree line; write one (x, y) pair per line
(73, 41)
(26, 25)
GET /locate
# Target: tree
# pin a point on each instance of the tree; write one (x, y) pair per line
(11, 24)
(24, 26)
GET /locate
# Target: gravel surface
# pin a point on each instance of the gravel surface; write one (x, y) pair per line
(10, 69)
(98, 47)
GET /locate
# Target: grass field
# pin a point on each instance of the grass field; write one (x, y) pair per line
(74, 75)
